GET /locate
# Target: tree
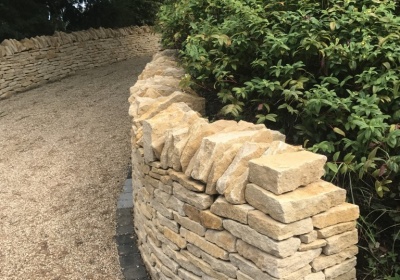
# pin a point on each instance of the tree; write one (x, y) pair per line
(22, 18)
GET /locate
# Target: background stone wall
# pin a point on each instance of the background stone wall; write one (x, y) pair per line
(229, 200)
(30, 62)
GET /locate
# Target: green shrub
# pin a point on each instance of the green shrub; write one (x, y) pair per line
(326, 74)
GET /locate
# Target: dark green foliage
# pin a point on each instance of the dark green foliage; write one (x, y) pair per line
(326, 74)
(21, 18)
(27, 18)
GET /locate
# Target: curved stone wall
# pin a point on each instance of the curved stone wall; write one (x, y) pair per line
(30, 62)
(228, 200)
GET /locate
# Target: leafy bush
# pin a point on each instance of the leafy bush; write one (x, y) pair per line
(326, 74)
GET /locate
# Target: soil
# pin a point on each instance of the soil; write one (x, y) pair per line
(64, 157)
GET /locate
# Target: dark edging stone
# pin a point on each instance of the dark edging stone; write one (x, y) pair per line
(131, 262)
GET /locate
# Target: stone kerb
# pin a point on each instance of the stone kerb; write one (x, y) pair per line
(30, 62)
(229, 200)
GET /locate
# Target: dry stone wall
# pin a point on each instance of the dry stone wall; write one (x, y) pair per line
(30, 62)
(229, 200)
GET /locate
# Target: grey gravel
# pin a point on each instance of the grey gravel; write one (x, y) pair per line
(64, 155)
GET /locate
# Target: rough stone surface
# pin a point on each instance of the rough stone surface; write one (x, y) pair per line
(281, 173)
(274, 266)
(264, 224)
(187, 181)
(339, 242)
(296, 205)
(335, 229)
(154, 129)
(210, 220)
(206, 246)
(337, 270)
(235, 212)
(234, 180)
(198, 200)
(280, 249)
(213, 147)
(342, 213)
(321, 262)
(223, 239)
(315, 276)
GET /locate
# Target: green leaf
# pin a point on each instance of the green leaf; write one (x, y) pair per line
(336, 156)
(332, 25)
(387, 65)
(339, 131)
(332, 166)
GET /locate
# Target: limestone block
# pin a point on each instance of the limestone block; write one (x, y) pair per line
(199, 200)
(28, 44)
(296, 205)
(205, 245)
(140, 105)
(315, 276)
(340, 242)
(219, 166)
(224, 267)
(184, 274)
(223, 239)
(280, 249)
(241, 276)
(175, 238)
(280, 147)
(282, 173)
(336, 229)
(192, 212)
(337, 270)
(234, 180)
(197, 132)
(319, 243)
(175, 204)
(350, 275)
(186, 181)
(172, 265)
(264, 224)
(163, 85)
(154, 129)
(235, 212)
(342, 213)
(321, 262)
(172, 139)
(165, 222)
(275, 266)
(210, 220)
(168, 273)
(194, 250)
(190, 225)
(205, 267)
(212, 149)
(162, 103)
(182, 261)
(10, 44)
(308, 237)
(248, 268)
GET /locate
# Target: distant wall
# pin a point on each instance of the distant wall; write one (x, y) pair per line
(229, 200)
(30, 62)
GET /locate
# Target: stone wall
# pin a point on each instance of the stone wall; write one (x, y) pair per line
(228, 200)
(30, 62)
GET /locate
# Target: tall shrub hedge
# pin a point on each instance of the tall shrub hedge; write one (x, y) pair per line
(326, 74)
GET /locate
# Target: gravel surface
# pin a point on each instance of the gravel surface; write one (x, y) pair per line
(64, 156)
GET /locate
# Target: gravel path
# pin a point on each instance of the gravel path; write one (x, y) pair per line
(64, 156)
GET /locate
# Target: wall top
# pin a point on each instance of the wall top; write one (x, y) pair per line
(11, 46)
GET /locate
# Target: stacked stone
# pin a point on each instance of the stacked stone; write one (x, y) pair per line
(228, 200)
(30, 62)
